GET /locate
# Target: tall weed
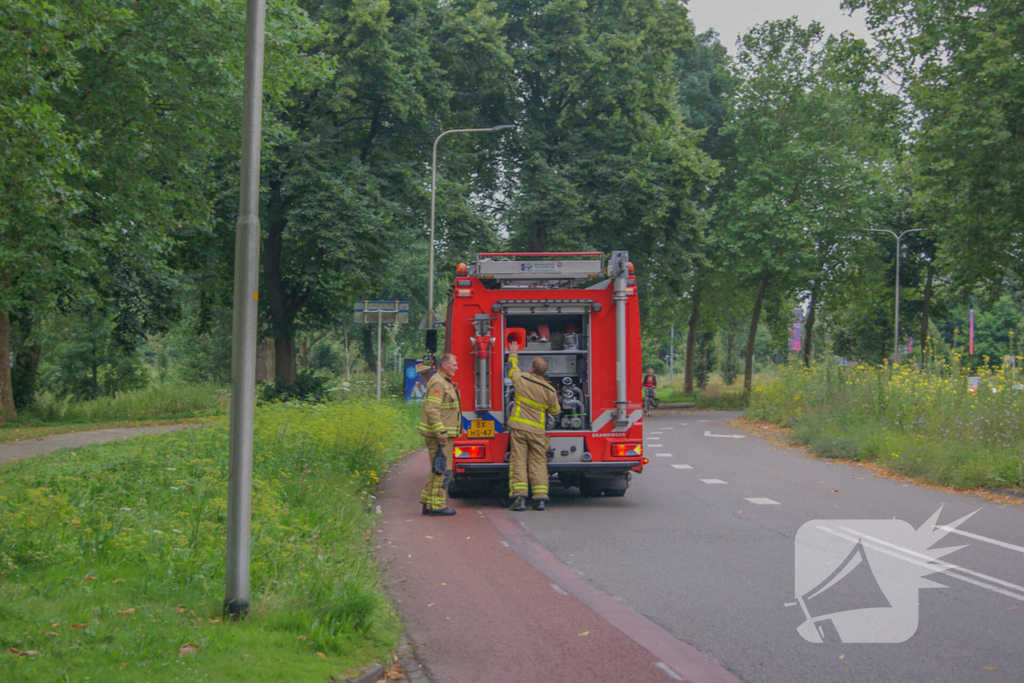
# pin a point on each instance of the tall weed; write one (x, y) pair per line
(156, 401)
(925, 423)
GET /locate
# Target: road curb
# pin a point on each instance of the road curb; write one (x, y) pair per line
(414, 670)
(371, 675)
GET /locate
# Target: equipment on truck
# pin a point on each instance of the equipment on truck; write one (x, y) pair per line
(580, 313)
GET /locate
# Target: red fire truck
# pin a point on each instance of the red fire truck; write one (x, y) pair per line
(578, 312)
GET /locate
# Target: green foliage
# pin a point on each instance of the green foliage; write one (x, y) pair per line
(151, 512)
(959, 64)
(923, 423)
(84, 360)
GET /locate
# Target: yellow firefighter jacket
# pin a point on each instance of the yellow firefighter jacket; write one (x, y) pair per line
(535, 398)
(441, 416)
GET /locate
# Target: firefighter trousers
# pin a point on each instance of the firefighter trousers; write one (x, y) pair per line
(435, 493)
(528, 465)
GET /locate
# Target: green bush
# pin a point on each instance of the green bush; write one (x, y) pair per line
(127, 539)
(309, 387)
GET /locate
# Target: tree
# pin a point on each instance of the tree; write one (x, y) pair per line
(603, 159)
(958, 65)
(805, 153)
(114, 119)
(347, 184)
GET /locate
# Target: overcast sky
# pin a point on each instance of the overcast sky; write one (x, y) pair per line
(731, 18)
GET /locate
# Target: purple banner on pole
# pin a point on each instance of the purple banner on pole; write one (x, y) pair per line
(796, 327)
(970, 342)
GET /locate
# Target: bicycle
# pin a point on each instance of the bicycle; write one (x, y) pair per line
(650, 402)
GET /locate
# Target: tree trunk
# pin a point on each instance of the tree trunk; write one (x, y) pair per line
(748, 366)
(371, 358)
(691, 342)
(809, 327)
(284, 358)
(538, 243)
(7, 410)
(348, 355)
(925, 307)
(26, 355)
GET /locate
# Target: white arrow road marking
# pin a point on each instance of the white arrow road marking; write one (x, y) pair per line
(724, 436)
(682, 467)
(714, 481)
(762, 501)
(662, 455)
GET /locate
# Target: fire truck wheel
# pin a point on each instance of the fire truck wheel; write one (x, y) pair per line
(456, 490)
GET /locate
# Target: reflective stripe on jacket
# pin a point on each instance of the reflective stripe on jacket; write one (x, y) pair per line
(441, 416)
(535, 399)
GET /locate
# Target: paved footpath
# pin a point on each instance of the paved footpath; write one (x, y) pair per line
(483, 601)
(20, 450)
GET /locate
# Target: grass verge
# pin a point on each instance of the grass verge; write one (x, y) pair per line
(923, 424)
(111, 560)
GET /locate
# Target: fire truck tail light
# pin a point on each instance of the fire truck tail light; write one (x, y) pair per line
(627, 450)
(470, 452)
(646, 461)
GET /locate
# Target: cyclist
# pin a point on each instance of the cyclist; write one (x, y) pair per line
(650, 388)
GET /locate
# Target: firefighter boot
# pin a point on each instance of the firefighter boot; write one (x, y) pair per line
(519, 505)
(539, 505)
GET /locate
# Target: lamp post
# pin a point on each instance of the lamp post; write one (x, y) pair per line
(433, 194)
(243, 335)
(899, 238)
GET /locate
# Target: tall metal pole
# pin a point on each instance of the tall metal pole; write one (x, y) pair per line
(672, 355)
(243, 336)
(433, 195)
(899, 238)
(380, 356)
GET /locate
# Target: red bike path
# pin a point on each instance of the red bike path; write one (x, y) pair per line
(484, 602)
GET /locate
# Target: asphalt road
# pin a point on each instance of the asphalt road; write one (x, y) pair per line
(717, 571)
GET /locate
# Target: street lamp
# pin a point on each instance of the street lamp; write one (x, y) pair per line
(899, 237)
(433, 193)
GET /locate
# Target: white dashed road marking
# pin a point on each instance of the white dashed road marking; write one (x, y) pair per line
(658, 433)
(653, 438)
(662, 455)
(714, 481)
(558, 589)
(762, 501)
(682, 467)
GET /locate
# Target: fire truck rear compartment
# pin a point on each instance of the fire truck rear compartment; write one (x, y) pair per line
(563, 341)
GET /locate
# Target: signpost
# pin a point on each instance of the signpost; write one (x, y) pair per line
(380, 312)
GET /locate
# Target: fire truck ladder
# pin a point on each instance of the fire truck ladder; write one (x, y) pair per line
(538, 270)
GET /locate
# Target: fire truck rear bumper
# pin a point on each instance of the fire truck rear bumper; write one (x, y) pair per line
(489, 470)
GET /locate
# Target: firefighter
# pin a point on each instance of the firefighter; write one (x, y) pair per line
(440, 422)
(528, 463)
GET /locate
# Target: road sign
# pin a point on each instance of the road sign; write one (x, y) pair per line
(382, 312)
